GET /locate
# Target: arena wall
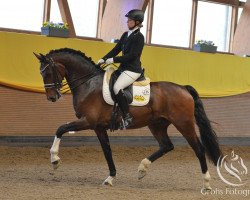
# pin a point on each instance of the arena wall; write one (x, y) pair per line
(24, 113)
(213, 75)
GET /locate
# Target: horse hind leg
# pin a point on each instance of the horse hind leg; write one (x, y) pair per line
(187, 129)
(159, 131)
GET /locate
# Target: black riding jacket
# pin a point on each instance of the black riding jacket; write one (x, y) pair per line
(131, 48)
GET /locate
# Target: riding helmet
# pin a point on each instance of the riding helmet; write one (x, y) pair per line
(135, 14)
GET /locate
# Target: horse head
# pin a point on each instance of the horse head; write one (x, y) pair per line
(53, 74)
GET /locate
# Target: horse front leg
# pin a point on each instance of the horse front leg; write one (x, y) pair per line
(104, 140)
(78, 125)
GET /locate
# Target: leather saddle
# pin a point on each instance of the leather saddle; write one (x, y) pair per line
(128, 91)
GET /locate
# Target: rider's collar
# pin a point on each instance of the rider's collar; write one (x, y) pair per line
(131, 31)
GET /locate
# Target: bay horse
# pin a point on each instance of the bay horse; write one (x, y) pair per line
(169, 103)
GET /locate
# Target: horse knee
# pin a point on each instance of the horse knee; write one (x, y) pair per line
(61, 130)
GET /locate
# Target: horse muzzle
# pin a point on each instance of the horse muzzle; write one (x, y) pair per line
(54, 97)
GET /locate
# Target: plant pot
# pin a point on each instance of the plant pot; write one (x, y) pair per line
(55, 32)
(205, 48)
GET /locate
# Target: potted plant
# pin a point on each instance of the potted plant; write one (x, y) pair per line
(55, 29)
(205, 46)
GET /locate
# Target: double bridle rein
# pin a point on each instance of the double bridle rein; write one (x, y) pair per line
(57, 83)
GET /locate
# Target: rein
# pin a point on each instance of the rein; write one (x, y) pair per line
(57, 83)
(85, 77)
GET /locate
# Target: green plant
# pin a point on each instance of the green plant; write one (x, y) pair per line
(56, 25)
(204, 42)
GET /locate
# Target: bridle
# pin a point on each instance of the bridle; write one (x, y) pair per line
(57, 83)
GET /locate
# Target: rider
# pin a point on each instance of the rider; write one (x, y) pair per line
(131, 44)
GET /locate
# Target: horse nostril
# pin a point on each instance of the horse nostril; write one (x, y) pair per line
(53, 99)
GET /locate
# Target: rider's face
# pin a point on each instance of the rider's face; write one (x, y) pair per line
(130, 23)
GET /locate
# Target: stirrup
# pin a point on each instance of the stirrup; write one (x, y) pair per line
(127, 122)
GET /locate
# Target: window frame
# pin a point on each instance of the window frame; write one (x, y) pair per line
(234, 3)
(150, 3)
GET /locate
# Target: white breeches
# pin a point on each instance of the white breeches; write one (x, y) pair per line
(124, 80)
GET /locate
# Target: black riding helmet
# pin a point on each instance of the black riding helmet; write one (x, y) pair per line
(135, 14)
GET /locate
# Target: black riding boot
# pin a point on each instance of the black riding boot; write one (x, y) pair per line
(123, 104)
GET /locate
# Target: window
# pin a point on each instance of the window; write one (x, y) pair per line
(55, 15)
(171, 22)
(84, 14)
(18, 15)
(213, 23)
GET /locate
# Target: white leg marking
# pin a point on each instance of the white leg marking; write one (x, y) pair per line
(143, 168)
(55, 149)
(109, 181)
(206, 179)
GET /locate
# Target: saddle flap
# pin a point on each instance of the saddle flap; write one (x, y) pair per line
(128, 91)
(137, 95)
(109, 72)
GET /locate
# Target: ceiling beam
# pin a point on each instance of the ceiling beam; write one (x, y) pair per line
(234, 21)
(46, 10)
(66, 16)
(150, 21)
(193, 23)
(145, 4)
(101, 8)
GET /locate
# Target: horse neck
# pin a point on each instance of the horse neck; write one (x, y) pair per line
(78, 71)
(75, 66)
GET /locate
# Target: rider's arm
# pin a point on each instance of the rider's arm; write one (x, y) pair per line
(135, 51)
(116, 50)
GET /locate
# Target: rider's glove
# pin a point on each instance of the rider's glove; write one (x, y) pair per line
(109, 61)
(101, 61)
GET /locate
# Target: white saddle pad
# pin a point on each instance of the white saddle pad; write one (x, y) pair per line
(141, 94)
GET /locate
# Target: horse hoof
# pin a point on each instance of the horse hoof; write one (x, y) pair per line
(108, 181)
(56, 164)
(107, 184)
(141, 174)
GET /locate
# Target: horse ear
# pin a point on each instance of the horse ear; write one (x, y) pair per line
(39, 57)
(44, 58)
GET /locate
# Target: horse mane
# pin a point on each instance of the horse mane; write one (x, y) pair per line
(71, 51)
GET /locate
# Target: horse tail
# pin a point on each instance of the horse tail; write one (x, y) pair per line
(208, 136)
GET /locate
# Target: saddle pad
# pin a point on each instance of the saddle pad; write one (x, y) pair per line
(141, 92)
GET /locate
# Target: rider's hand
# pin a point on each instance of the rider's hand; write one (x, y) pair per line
(109, 61)
(101, 61)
